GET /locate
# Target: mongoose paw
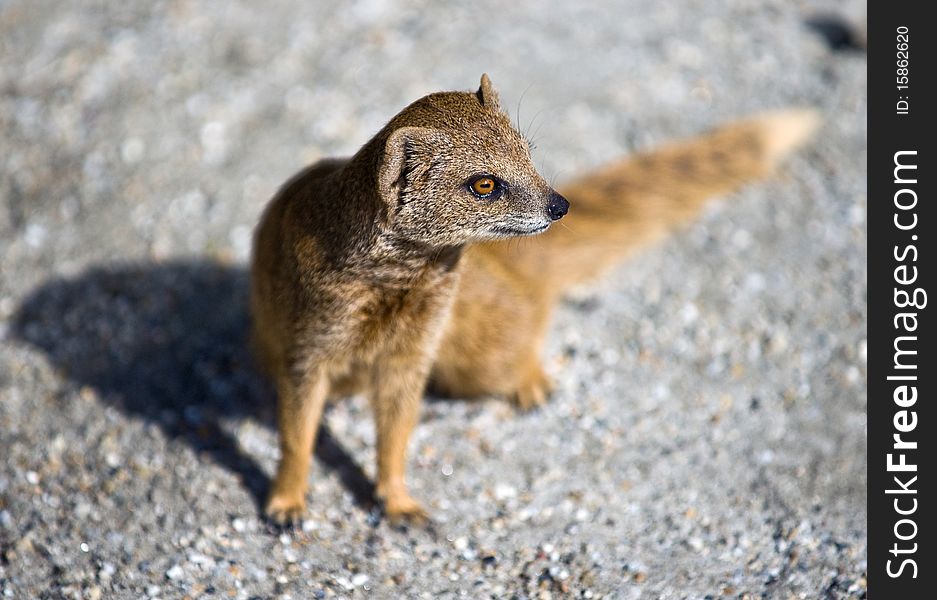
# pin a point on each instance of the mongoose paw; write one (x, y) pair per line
(534, 392)
(285, 510)
(402, 509)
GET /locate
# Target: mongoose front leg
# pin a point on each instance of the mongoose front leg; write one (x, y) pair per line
(299, 409)
(395, 400)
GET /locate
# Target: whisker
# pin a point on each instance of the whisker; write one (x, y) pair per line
(537, 116)
(519, 101)
(567, 227)
(555, 176)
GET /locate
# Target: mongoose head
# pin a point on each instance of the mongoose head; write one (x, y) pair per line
(454, 170)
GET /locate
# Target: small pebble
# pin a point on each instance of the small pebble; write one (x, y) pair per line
(175, 572)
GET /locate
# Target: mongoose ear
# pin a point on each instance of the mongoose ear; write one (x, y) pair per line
(487, 95)
(407, 155)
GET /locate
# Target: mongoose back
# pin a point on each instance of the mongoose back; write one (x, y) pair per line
(386, 270)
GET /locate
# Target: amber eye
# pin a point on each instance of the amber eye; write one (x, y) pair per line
(484, 186)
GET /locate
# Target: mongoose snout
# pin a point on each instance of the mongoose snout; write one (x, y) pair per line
(558, 207)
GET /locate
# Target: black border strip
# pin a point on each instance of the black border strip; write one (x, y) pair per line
(901, 270)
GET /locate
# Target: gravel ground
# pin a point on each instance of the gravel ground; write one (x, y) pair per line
(707, 435)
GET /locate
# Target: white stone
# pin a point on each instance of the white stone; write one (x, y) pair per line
(175, 572)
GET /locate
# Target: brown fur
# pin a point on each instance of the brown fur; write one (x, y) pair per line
(371, 273)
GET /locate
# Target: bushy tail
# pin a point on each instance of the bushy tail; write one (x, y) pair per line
(627, 204)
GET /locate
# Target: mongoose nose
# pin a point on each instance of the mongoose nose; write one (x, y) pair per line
(558, 206)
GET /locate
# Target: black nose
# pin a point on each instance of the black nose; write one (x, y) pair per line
(558, 206)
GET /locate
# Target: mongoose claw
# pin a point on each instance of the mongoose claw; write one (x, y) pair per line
(404, 510)
(534, 392)
(285, 512)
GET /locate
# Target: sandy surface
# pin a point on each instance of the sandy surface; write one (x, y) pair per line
(707, 435)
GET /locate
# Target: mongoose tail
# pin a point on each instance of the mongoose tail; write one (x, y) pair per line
(492, 344)
(630, 203)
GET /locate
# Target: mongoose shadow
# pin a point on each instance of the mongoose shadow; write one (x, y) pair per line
(168, 342)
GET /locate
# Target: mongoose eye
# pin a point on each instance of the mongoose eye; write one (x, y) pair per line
(484, 186)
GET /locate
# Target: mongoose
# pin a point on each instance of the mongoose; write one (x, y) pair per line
(387, 270)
